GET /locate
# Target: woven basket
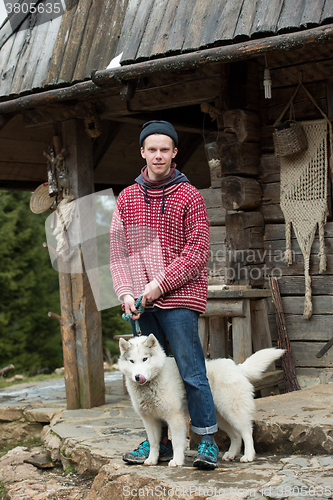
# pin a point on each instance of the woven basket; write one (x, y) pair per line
(289, 138)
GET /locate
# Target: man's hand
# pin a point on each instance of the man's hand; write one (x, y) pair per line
(152, 292)
(129, 304)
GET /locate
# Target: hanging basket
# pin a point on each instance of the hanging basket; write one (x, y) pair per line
(289, 138)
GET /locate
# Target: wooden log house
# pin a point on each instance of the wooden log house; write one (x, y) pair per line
(199, 64)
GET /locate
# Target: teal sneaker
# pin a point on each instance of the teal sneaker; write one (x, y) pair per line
(206, 457)
(166, 452)
(138, 456)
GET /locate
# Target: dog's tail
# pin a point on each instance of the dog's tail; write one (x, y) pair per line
(254, 366)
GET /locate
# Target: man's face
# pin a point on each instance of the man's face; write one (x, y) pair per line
(158, 151)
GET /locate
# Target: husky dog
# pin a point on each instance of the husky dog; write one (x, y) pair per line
(158, 393)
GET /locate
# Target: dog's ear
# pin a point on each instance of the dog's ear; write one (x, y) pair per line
(151, 341)
(123, 345)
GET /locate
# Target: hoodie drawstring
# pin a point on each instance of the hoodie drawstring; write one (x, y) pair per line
(163, 198)
(146, 195)
(163, 201)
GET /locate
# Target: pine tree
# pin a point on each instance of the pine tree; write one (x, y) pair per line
(28, 289)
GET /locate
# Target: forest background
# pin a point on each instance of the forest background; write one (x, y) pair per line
(29, 289)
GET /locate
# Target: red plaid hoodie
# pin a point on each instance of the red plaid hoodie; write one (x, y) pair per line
(161, 234)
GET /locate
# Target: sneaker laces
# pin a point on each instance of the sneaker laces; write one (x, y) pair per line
(142, 448)
(208, 449)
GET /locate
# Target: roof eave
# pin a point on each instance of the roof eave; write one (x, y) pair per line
(111, 78)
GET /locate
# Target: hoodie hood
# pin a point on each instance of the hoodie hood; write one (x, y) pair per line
(177, 179)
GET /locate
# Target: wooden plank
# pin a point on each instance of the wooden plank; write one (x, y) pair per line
(218, 337)
(17, 47)
(267, 16)
(241, 335)
(193, 34)
(88, 331)
(28, 62)
(261, 335)
(246, 19)
(137, 30)
(236, 293)
(327, 12)
(312, 13)
(147, 43)
(94, 21)
(225, 307)
(74, 41)
(294, 285)
(211, 21)
(5, 52)
(131, 7)
(304, 354)
(46, 54)
(291, 14)
(322, 304)
(227, 22)
(213, 201)
(60, 45)
(298, 328)
(103, 50)
(174, 27)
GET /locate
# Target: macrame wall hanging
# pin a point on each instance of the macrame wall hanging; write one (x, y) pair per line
(303, 195)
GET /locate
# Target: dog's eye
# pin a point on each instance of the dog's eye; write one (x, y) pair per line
(144, 359)
(131, 361)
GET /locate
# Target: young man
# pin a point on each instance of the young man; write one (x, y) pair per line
(159, 247)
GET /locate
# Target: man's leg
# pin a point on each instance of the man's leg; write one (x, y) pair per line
(181, 328)
(138, 456)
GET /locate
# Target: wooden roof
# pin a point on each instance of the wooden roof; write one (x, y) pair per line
(41, 54)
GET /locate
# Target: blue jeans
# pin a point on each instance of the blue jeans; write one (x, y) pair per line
(180, 327)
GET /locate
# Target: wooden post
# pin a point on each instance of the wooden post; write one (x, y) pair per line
(242, 335)
(87, 318)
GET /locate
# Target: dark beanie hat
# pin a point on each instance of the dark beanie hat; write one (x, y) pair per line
(158, 127)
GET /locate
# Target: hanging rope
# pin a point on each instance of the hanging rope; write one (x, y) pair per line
(139, 307)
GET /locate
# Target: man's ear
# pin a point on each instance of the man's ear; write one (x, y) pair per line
(175, 151)
(143, 154)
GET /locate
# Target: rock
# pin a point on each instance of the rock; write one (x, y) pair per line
(24, 481)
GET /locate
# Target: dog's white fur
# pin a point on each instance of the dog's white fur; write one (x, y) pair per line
(157, 392)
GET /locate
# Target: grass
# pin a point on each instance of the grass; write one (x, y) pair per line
(3, 492)
(36, 378)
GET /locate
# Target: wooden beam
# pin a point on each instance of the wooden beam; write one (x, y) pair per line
(88, 329)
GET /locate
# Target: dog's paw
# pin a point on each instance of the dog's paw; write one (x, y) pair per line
(149, 461)
(227, 457)
(245, 458)
(175, 463)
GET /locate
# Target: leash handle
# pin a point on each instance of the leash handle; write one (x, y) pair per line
(139, 307)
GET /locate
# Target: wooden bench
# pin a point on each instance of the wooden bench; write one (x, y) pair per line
(246, 309)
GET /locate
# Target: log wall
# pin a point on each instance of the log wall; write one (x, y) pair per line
(307, 337)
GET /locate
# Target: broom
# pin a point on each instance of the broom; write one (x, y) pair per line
(288, 364)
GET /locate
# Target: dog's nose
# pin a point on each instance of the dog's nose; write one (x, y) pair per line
(137, 378)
